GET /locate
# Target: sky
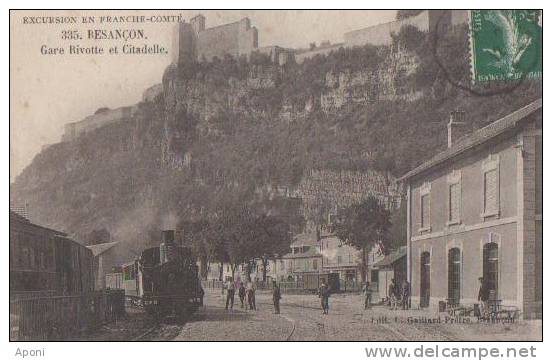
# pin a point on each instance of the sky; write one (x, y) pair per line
(48, 91)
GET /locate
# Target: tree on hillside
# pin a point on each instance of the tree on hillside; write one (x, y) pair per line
(215, 243)
(397, 231)
(363, 226)
(198, 235)
(274, 239)
(236, 231)
(411, 38)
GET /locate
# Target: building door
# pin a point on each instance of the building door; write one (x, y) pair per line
(454, 269)
(425, 280)
(490, 268)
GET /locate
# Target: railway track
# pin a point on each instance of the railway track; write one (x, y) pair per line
(289, 319)
(146, 333)
(393, 331)
(320, 327)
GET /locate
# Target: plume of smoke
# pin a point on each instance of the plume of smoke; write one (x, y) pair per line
(133, 231)
(169, 221)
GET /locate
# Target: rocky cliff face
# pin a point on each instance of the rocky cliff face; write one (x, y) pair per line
(387, 82)
(227, 129)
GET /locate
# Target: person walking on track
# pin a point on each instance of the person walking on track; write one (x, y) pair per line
(393, 294)
(251, 295)
(276, 296)
(230, 291)
(201, 292)
(367, 291)
(324, 294)
(405, 289)
(241, 294)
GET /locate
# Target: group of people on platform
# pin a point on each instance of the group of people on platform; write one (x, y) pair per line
(398, 296)
(246, 294)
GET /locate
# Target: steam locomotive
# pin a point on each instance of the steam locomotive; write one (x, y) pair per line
(164, 280)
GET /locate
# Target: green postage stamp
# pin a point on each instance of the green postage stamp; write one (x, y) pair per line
(505, 44)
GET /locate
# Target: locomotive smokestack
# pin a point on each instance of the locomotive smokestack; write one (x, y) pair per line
(167, 246)
(167, 236)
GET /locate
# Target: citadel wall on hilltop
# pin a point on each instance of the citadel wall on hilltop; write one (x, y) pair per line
(99, 119)
(377, 35)
(381, 34)
(300, 56)
(429, 20)
(193, 42)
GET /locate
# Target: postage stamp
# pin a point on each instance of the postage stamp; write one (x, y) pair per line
(505, 44)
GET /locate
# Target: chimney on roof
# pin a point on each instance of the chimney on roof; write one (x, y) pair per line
(457, 127)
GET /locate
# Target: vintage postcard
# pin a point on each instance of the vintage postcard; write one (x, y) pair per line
(282, 175)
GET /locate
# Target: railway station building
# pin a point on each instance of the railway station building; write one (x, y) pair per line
(475, 210)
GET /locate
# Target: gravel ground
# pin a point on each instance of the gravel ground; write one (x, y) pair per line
(214, 323)
(301, 319)
(135, 324)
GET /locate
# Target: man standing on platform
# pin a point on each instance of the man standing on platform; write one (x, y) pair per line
(276, 296)
(230, 291)
(367, 295)
(324, 294)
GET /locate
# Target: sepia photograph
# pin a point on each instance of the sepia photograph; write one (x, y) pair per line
(275, 175)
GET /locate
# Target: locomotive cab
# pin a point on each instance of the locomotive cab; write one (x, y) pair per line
(169, 279)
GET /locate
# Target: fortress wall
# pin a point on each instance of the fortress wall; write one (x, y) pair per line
(300, 57)
(218, 41)
(248, 37)
(235, 39)
(381, 34)
(277, 54)
(272, 51)
(91, 122)
(185, 44)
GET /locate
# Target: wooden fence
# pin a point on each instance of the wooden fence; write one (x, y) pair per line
(63, 317)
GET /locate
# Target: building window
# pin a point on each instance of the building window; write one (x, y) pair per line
(339, 259)
(315, 264)
(454, 203)
(424, 205)
(306, 265)
(454, 275)
(491, 180)
(490, 192)
(490, 267)
(425, 213)
(454, 197)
